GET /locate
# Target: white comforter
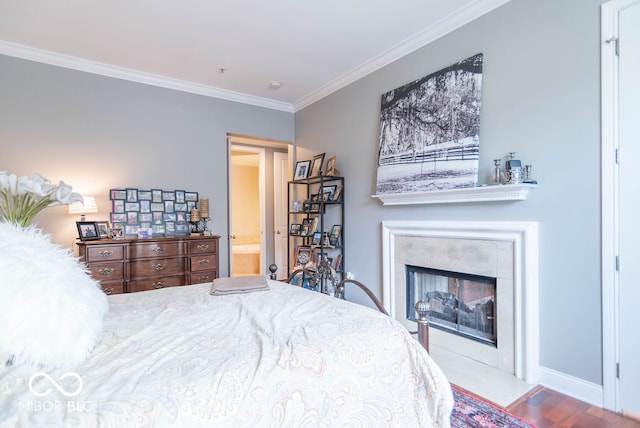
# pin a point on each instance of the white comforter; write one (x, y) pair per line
(286, 357)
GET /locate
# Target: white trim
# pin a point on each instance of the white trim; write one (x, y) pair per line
(80, 64)
(507, 192)
(455, 20)
(580, 389)
(446, 25)
(524, 236)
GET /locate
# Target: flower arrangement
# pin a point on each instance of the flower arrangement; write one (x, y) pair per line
(21, 198)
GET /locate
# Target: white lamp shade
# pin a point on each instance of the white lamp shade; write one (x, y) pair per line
(89, 206)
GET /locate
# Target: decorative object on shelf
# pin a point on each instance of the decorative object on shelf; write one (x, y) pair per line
(302, 170)
(497, 175)
(527, 175)
(86, 206)
(103, 228)
(514, 169)
(165, 212)
(22, 198)
(330, 168)
(316, 165)
(442, 152)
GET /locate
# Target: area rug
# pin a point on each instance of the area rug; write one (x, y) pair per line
(471, 411)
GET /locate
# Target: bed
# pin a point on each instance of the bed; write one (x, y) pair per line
(284, 357)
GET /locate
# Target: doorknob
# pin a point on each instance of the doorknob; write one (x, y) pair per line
(232, 236)
(278, 233)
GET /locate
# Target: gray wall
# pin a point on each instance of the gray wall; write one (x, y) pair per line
(540, 98)
(97, 133)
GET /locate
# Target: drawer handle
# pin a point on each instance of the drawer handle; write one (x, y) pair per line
(106, 271)
(159, 284)
(159, 266)
(106, 253)
(107, 291)
(203, 262)
(203, 247)
(204, 278)
(159, 250)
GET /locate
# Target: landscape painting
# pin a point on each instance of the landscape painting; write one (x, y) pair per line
(430, 131)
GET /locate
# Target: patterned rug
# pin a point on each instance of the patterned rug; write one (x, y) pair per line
(471, 411)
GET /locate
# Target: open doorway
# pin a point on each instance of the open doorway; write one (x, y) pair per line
(254, 200)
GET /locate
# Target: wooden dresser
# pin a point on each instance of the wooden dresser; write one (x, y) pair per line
(130, 265)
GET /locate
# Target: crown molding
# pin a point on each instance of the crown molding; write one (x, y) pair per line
(75, 63)
(446, 25)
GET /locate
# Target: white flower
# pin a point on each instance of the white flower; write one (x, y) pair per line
(21, 198)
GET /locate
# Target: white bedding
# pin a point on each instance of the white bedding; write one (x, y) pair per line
(286, 357)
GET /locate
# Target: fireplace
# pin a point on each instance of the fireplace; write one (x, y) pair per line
(459, 303)
(501, 256)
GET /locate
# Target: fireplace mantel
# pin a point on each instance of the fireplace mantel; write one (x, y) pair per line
(500, 192)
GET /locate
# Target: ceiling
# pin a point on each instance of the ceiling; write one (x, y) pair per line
(231, 49)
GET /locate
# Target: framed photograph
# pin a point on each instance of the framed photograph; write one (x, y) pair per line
(144, 195)
(116, 232)
(168, 206)
(169, 217)
(191, 196)
(316, 166)
(103, 228)
(180, 206)
(338, 265)
(131, 229)
(117, 194)
(296, 206)
(294, 229)
(145, 233)
(338, 193)
(302, 170)
(88, 230)
(118, 218)
(331, 190)
(334, 236)
(132, 206)
(305, 228)
(314, 208)
(156, 195)
(168, 196)
(117, 206)
(330, 167)
(145, 206)
(132, 195)
(157, 206)
(180, 196)
(319, 257)
(145, 217)
(302, 256)
(132, 217)
(317, 236)
(157, 229)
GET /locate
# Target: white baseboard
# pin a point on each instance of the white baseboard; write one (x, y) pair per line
(589, 392)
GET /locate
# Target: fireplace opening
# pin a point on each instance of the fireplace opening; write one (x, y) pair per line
(459, 303)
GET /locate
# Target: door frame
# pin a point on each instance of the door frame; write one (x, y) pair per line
(609, 86)
(256, 143)
(260, 151)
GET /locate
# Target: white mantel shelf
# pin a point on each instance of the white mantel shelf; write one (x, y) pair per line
(500, 192)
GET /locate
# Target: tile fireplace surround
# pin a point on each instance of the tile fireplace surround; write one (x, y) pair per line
(507, 251)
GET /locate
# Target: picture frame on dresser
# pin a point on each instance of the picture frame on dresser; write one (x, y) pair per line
(103, 228)
(87, 230)
(116, 232)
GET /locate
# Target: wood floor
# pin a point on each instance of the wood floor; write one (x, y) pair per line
(546, 409)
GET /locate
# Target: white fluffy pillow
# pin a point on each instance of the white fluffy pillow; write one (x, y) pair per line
(51, 310)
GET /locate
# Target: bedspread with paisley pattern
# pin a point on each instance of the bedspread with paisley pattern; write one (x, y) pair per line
(286, 357)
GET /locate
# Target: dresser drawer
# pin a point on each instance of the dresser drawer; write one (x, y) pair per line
(156, 249)
(104, 253)
(209, 246)
(205, 276)
(199, 263)
(157, 267)
(107, 271)
(156, 283)
(112, 288)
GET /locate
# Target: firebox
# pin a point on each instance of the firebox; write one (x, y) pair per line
(459, 303)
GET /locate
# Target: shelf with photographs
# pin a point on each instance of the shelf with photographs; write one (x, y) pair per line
(155, 212)
(316, 222)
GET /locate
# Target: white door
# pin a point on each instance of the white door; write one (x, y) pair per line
(280, 212)
(629, 205)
